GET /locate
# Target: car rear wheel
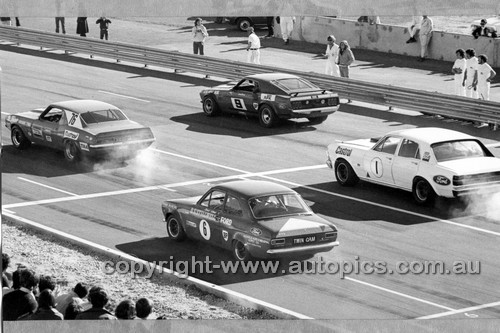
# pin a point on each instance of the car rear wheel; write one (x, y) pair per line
(317, 120)
(267, 116)
(345, 174)
(175, 230)
(240, 251)
(244, 24)
(423, 193)
(18, 138)
(210, 106)
(71, 152)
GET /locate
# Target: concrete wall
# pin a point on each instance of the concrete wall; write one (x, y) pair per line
(392, 39)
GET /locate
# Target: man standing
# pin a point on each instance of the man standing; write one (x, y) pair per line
(459, 70)
(103, 26)
(270, 26)
(60, 19)
(471, 63)
(286, 26)
(253, 47)
(483, 76)
(426, 28)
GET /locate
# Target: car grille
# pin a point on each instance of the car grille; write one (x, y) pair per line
(314, 103)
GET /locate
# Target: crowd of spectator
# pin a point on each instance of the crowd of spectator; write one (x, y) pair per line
(30, 296)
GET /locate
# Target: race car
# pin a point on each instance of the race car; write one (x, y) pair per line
(271, 96)
(429, 162)
(80, 128)
(253, 219)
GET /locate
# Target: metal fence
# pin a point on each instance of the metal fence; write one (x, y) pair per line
(392, 96)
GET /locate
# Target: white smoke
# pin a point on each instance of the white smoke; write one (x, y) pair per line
(485, 205)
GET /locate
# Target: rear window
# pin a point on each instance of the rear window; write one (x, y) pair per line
(101, 116)
(454, 150)
(294, 84)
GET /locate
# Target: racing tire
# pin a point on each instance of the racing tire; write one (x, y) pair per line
(71, 151)
(210, 106)
(244, 24)
(175, 230)
(240, 251)
(267, 116)
(423, 193)
(345, 173)
(18, 138)
(317, 120)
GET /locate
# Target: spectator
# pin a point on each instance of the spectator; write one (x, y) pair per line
(369, 19)
(6, 280)
(21, 302)
(6, 20)
(483, 30)
(346, 58)
(144, 308)
(104, 26)
(99, 298)
(125, 310)
(253, 47)
(332, 56)
(413, 28)
(72, 310)
(46, 307)
(270, 26)
(82, 27)
(459, 70)
(483, 76)
(60, 20)
(286, 26)
(79, 292)
(200, 34)
(46, 282)
(426, 27)
(471, 63)
(18, 23)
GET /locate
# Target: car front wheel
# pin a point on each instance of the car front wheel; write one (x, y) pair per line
(240, 251)
(244, 24)
(210, 107)
(267, 116)
(345, 174)
(18, 138)
(423, 193)
(175, 230)
(71, 152)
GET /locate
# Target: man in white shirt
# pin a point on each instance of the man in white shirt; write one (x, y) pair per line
(484, 75)
(253, 47)
(332, 56)
(426, 27)
(470, 70)
(286, 26)
(459, 70)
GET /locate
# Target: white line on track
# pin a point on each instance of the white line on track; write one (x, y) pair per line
(47, 186)
(453, 312)
(124, 96)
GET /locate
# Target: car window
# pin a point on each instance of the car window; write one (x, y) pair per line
(278, 205)
(233, 206)
(54, 115)
(388, 145)
(214, 200)
(409, 149)
(100, 116)
(245, 85)
(291, 84)
(454, 150)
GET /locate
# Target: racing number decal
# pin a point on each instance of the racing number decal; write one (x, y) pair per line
(376, 167)
(238, 104)
(205, 229)
(72, 120)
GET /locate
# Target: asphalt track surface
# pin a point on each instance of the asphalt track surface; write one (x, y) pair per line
(118, 205)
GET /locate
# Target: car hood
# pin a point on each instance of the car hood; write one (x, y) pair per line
(184, 201)
(111, 126)
(297, 225)
(474, 165)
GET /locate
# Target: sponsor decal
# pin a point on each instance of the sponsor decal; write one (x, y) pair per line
(84, 146)
(37, 131)
(191, 224)
(268, 97)
(256, 231)
(48, 138)
(226, 221)
(203, 214)
(441, 180)
(71, 135)
(255, 105)
(254, 241)
(216, 92)
(205, 229)
(304, 240)
(343, 151)
(225, 235)
(426, 157)
(169, 206)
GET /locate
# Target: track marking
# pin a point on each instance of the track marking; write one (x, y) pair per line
(400, 294)
(47, 186)
(124, 96)
(453, 312)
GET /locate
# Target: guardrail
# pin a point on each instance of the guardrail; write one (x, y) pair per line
(434, 103)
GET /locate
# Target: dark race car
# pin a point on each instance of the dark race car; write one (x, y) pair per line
(253, 219)
(271, 96)
(245, 22)
(80, 128)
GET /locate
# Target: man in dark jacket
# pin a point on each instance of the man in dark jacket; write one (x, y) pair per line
(483, 30)
(99, 298)
(103, 25)
(82, 27)
(21, 302)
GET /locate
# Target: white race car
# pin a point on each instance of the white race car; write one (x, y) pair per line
(426, 161)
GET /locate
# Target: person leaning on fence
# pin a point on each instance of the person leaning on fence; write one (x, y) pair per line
(426, 28)
(332, 57)
(253, 47)
(413, 28)
(471, 63)
(104, 23)
(82, 27)
(199, 33)
(459, 70)
(483, 76)
(483, 30)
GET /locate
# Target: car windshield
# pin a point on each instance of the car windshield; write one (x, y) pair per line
(275, 205)
(454, 150)
(100, 116)
(294, 84)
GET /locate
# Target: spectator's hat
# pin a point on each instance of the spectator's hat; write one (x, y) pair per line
(484, 21)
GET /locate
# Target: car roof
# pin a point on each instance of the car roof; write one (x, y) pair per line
(84, 105)
(253, 188)
(272, 76)
(431, 135)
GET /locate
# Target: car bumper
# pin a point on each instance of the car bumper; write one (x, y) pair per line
(309, 249)
(118, 149)
(479, 189)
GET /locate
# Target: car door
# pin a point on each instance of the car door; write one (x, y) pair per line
(206, 216)
(230, 219)
(243, 97)
(49, 129)
(406, 164)
(378, 161)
